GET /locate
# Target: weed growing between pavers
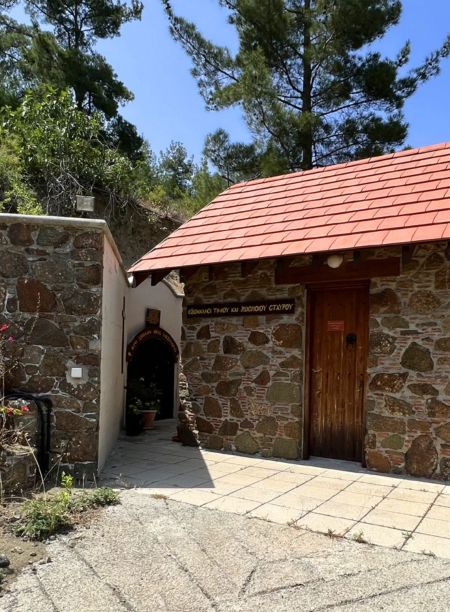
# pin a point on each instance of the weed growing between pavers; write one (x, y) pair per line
(359, 537)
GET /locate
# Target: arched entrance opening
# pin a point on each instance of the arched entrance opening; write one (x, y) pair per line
(152, 357)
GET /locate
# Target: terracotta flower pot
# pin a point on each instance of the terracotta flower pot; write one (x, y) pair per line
(149, 418)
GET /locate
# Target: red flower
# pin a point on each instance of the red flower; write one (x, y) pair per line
(11, 339)
(4, 327)
(24, 408)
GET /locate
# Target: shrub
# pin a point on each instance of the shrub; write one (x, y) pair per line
(104, 497)
(45, 516)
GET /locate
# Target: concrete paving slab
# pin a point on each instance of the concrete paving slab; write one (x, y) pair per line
(369, 489)
(346, 511)
(376, 534)
(403, 507)
(329, 483)
(434, 527)
(429, 545)
(256, 493)
(405, 522)
(285, 491)
(276, 514)
(299, 502)
(233, 504)
(443, 500)
(318, 492)
(196, 497)
(321, 523)
(408, 495)
(422, 485)
(358, 499)
(442, 513)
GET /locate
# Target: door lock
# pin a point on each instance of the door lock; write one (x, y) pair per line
(351, 339)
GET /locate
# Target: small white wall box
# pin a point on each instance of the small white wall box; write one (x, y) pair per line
(76, 372)
(85, 203)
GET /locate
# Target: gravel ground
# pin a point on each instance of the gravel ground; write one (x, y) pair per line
(155, 554)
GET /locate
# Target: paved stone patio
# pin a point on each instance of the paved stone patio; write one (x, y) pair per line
(333, 497)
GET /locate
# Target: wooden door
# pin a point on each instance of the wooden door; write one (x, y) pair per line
(338, 338)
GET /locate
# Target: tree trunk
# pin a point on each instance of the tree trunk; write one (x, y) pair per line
(307, 146)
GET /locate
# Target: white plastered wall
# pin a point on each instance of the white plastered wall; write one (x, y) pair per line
(161, 297)
(112, 366)
(165, 298)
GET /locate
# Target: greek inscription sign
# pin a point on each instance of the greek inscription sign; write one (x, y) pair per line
(236, 309)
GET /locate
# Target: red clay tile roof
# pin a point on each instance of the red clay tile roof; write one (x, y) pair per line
(399, 198)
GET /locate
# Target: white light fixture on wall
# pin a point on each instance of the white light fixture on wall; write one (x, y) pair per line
(335, 260)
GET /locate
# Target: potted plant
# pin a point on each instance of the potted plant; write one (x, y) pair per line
(145, 397)
(149, 410)
(134, 421)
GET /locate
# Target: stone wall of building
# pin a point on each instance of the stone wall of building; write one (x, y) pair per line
(51, 296)
(408, 399)
(245, 374)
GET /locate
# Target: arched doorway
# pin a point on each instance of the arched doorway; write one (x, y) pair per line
(152, 357)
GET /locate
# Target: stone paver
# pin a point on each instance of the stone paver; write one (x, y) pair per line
(322, 495)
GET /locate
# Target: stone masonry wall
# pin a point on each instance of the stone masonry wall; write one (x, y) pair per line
(408, 400)
(245, 374)
(50, 294)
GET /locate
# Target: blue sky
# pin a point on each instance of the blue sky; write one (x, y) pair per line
(167, 105)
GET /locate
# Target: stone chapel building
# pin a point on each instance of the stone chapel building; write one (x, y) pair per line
(316, 315)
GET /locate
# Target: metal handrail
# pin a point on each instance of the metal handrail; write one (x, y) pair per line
(44, 405)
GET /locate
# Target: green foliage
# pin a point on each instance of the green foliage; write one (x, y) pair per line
(66, 481)
(62, 152)
(312, 88)
(104, 496)
(45, 516)
(61, 133)
(178, 185)
(63, 55)
(66, 57)
(235, 161)
(175, 170)
(205, 187)
(79, 23)
(15, 43)
(16, 194)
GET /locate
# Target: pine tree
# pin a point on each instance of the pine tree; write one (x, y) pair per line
(313, 90)
(15, 42)
(68, 57)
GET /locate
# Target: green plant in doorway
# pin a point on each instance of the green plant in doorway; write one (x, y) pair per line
(144, 396)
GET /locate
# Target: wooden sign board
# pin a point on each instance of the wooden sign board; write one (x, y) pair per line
(335, 326)
(238, 309)
(152, 316)
(149, 333)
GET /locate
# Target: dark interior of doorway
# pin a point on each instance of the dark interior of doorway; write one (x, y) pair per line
(154, 361)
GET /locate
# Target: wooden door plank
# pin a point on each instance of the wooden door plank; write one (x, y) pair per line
(337, 372)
